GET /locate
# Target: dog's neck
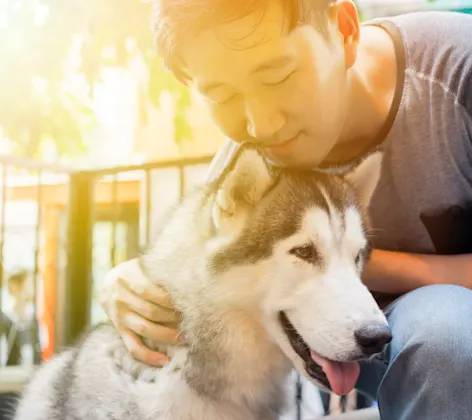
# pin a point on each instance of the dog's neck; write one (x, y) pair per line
(232, 358)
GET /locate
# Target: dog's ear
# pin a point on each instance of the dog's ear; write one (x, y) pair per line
(243, 188)
(365, 177)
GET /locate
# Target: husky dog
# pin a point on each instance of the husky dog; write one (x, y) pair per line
(265, 267)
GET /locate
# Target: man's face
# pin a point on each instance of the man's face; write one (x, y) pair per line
(287, 92)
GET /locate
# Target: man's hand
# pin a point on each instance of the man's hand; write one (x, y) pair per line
(138, 308)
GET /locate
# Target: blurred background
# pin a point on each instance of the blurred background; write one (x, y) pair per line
(90, 124)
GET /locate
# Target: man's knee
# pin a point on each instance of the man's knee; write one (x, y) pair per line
(432, 340)
(435, 320)
(431, 350)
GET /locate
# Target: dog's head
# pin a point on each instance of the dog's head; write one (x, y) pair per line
(296, 243)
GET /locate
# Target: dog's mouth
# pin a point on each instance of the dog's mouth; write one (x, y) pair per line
(340, 377)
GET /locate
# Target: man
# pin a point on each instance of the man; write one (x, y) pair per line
(23, 331)
(9, 345)
(311, 87)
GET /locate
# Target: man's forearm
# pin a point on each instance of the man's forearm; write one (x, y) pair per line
(398, 272)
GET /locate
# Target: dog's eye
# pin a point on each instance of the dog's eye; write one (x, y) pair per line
(304, 252)
(364, 253)
(358, 257)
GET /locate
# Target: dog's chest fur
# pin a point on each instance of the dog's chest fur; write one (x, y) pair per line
(193, 387)
(216, 374)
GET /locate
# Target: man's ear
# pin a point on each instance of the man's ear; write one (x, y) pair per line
(241, 190)
(365, 177)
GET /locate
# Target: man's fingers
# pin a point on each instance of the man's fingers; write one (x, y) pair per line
(133, 302)
(145, 308)
(151, 330)
(140, 352)
(142, 287)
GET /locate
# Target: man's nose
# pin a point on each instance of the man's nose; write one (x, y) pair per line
(263, 121)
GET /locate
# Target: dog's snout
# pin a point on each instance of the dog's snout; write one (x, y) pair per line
(373, 338)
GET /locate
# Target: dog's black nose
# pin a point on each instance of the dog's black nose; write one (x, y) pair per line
(373, 338)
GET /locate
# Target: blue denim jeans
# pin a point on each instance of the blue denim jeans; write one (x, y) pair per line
(426, 371)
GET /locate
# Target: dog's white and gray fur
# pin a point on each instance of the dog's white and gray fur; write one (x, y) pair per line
(233, 256)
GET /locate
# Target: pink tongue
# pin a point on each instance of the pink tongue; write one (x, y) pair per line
(341, 376)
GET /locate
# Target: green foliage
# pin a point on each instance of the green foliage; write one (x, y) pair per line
(165, 80)
(49, 47)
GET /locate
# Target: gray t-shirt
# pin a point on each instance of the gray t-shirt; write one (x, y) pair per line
(423, 202)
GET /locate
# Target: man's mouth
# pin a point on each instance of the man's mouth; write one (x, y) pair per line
(340, 377)
(282, 149)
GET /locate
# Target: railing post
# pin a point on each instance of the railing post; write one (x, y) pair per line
(74, 297)
(181, 180)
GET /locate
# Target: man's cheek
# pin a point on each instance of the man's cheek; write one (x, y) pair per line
(231, 123)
